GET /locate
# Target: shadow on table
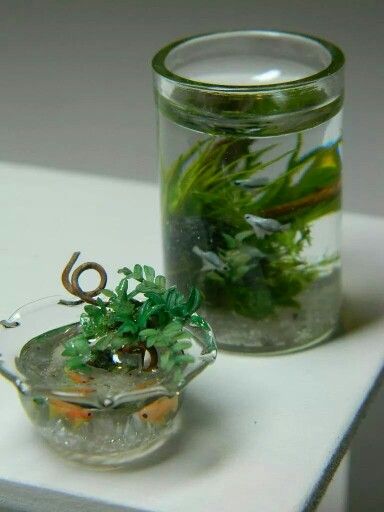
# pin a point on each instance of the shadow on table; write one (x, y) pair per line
(360, 312)
(196, 440)
(19, 498)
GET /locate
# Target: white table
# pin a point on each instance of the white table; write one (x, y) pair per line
(259, 434)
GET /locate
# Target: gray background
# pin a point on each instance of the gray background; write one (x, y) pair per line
(76, 94)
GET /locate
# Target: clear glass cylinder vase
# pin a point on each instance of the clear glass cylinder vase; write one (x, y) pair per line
(249, 135)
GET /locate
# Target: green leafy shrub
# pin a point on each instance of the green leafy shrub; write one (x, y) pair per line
(149, 315)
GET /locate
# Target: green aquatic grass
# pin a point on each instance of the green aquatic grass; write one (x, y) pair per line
(200, 184)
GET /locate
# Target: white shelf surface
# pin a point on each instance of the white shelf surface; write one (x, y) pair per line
(258, 433)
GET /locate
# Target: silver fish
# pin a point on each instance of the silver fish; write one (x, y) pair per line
(263, 227)
(211, 261)
(253, 182)
(254, 252)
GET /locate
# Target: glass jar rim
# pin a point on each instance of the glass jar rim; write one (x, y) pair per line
(336, 63)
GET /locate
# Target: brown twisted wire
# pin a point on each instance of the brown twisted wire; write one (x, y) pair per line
(71, 283)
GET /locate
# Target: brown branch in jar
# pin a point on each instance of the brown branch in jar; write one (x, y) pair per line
(71, 283)
(309, 200)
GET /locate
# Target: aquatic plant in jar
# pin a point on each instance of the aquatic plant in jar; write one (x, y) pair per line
(102, 382)
(249, 129)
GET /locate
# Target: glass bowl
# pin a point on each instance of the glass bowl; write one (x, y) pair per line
(106, 419)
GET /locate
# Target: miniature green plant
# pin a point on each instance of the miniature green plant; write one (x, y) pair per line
(201, 184)
(260, 276)
(149, 315)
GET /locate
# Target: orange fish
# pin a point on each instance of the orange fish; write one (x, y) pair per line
(83, 390)
(146, 384)
(75, 414)
(157, 412)
(78, 378)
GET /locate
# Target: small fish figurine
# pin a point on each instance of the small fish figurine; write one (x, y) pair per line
(211, 261)
(74, 414)
(253, 182)
(77, 378)
(263, 227)
(254, 252)
(158, 412)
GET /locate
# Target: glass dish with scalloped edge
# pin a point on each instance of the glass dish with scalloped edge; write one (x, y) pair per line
(101, 419)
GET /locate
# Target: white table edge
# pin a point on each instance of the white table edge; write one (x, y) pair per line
(345, 442)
